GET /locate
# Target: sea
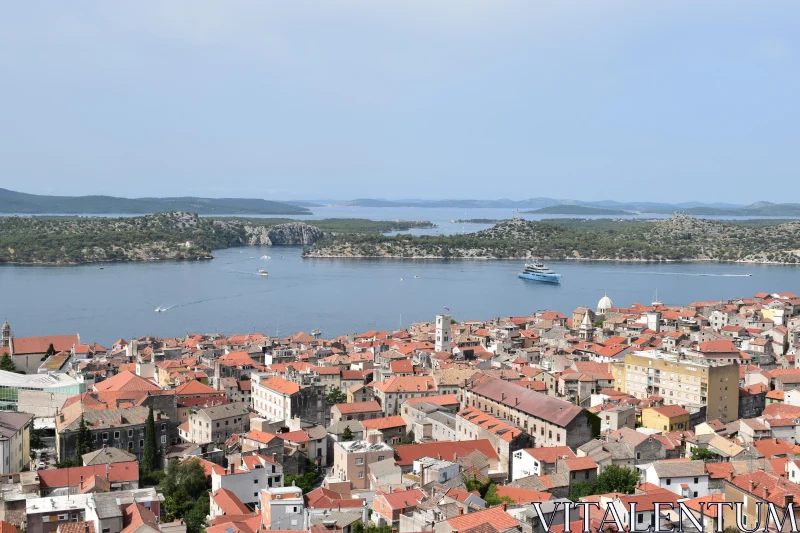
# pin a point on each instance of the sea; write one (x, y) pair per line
(341, 296)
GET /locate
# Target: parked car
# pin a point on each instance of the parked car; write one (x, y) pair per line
(41, 466)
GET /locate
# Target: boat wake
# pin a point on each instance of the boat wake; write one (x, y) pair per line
(697, 274)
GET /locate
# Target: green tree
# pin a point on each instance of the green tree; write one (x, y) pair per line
(149, 456)
(702, 454)
(347, 434)
(6, 363)
(487, 490)
(83, 442)
(613, 478)
(336, 396)
(185, 490)
(50, 352)
(358, 527)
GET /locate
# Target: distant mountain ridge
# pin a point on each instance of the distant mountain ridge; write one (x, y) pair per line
(690, 208)
(24, 203)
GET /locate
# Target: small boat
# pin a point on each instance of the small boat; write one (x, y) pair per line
(265, 257)
(101, 268)
(537, 271)
(401, 279)
(263, 272)
(416, 277)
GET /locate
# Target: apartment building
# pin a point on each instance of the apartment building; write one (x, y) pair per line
(550, 421)
(215, 424)
(272, 397)
(681, 381)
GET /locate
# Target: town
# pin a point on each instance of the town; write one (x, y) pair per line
(471, 426)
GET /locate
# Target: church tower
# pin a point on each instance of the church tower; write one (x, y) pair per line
(5, 336)
(586, 330)
(443, 333)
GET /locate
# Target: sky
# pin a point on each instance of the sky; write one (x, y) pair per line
(625, 100)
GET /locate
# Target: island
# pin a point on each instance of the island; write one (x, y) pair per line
(679, 238)
(12, 202)
(166, 236)
(576, 210)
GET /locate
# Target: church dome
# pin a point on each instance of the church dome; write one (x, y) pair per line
(604, 305)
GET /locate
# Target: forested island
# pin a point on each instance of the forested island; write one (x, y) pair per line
(680, 238)
(167, 236)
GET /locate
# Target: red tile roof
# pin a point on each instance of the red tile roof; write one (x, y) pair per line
(280, 385)
(496, 516)
(229, 503)
(439, 399)
(670, 411)
(67, 477)
(402, 499)
(126, 381)
(385, 422)
(358, 407)
(40, 345)
(448, 450)
(195, 387)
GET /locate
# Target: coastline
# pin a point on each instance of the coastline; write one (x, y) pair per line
(550, 259)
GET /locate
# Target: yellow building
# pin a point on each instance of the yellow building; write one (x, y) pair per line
(665, 418)
(680, 380)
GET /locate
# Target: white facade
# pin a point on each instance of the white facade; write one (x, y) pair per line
(525, 465)
(246, 484)
(442, 333)
(696, 486)
(283, 508)
(270, 404)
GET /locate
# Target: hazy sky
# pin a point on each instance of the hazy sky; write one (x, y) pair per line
(670, 100)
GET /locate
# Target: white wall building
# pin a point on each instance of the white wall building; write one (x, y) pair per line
(257, 471)
(687, 479)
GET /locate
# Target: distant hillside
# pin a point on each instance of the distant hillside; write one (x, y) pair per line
(757, 209)
(569, 207)
(680, 238)
(23, 203)
(577, 210)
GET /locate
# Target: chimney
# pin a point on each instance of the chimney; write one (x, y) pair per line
(766, 493)
(274, 456)
(752, 486)
(505, 506)
(460, 510)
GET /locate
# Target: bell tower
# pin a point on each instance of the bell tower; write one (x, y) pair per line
(5, 335)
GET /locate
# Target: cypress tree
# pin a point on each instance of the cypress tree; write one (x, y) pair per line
(83, 443)
(150, 457)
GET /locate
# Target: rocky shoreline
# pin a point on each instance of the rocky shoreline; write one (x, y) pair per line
(675, 240)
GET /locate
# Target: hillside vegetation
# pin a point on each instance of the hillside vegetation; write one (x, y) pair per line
(679, 238)
(168, 236)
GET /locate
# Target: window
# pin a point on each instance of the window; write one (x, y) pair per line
(130, 433)
(163, 439)
(360, 475)
(164, 427)
(105, 435)
(695, 480)
(141, 443)
(116, 434)
(63, 517)
(669, 482)
(380, 458)
(360, 461)
(640, 518)
(255, 481)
